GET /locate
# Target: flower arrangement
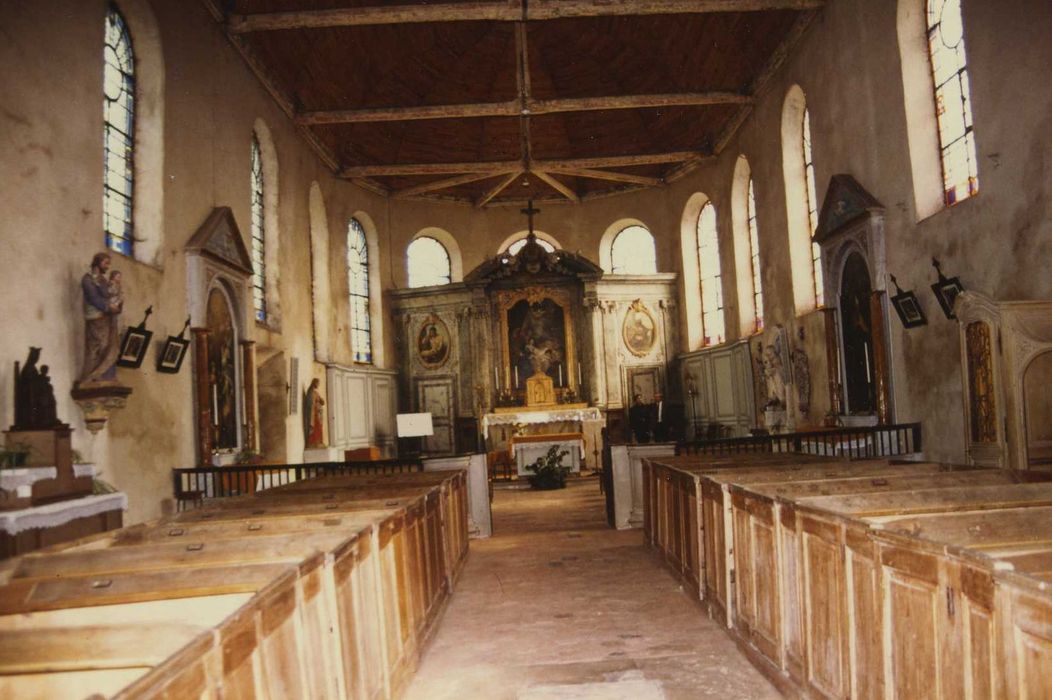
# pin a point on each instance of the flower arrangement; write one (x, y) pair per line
(548, 471)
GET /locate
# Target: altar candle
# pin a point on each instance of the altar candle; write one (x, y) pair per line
(496, 378)
(579, 380)
(215, 405)
(560, 375)
(516, 376)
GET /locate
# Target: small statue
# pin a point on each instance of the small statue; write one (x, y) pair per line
(313, 416)
(103, 303)
(35, 407)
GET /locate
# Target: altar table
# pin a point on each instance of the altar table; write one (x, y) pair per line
(527, 448)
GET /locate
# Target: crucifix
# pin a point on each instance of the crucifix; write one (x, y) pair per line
(529, 211)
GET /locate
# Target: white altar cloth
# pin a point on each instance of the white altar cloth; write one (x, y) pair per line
(61, 512)
(548, 416)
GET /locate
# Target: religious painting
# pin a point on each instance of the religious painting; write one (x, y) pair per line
(432, 343)
(946, 291)
(173, 352)
(857, 329)
(222, 370)
(536, 337)
(639, 329)
(908, 308)
(981, 401)
(134, 345)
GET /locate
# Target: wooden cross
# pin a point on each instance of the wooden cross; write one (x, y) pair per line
(529, 211)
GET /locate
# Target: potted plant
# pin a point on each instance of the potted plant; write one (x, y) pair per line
(16, 455)
(548, 471)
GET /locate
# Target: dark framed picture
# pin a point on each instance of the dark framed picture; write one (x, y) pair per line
(134, 346)
(909, 310)
(946, 291)
(172, 354)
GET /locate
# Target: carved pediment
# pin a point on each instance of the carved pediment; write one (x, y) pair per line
(220, 239)
(532, 260)
(845, 202)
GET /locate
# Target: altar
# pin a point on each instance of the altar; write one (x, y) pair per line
(507, 427)
(527, 449)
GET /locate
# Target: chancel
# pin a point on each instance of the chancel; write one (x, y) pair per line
(731, 321)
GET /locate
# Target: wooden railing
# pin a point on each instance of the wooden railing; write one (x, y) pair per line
(192, 486)
(851, 443)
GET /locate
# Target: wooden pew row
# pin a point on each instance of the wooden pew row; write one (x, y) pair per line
(775, 611)
(309, 605)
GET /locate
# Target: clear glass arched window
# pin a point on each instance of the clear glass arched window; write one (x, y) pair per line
(754, 257)
(953, 100)
(259, 265)
(358, 285)
(427, 261)
(713, 327)
(812, 208)
(118, 133)
(518, 245)
(632, 252)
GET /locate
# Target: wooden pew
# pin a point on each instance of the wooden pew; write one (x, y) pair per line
(867, 603)
(331, 602)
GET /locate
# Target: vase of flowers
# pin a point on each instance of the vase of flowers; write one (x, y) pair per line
(548, 471)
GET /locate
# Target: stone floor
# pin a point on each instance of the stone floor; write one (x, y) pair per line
(557, 606)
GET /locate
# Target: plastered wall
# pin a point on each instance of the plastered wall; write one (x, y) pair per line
(847, 64)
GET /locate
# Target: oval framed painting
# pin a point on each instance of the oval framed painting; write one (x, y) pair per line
(432, 343)
(639, 329)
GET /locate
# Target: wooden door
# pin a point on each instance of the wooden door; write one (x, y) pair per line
(436, 396)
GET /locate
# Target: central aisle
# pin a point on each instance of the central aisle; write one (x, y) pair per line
(557, 606)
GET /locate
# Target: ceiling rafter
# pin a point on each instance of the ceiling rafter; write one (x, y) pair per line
(497, 167)
(445, 183)
(559, 187)
(512, 108)
(607, 175)
(508, 11)
(497, 189)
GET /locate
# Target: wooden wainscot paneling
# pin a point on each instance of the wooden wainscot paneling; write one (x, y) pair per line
(1024, 626)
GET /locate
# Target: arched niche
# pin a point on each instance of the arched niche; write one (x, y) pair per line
(851, 235)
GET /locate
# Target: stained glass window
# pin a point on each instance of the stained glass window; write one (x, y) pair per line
(518, 245)
(812, 209)
(712, 324)
(428, 262)
(632, 252)
(358, 284)
(118, 133)
(259, 265)
(754, 255)
(953, 100)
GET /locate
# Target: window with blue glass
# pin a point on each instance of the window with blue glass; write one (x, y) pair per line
(358, 284)
(259, 243)
(118, 133)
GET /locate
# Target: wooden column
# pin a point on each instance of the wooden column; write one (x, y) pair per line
(203, 397)
(881, 378)
(248, 374)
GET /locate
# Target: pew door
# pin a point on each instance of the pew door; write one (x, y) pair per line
(436, 396)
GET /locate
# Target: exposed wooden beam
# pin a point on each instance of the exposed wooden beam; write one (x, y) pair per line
(512, 108)
(590, 104)
(557, 186)
(500, 187)
(522, 82)
(493, 167)
(607, 175)
(444, 184)
(497, 12)
(403, 114)
(617, 161)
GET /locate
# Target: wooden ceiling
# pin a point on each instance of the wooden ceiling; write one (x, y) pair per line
(495, 102)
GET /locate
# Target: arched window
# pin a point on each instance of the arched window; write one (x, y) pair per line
(259, 244)
(427, 261)
(801, 202)
(358, 286)
(518, 245)
(953, 106)
(812, 209)
(118, 133)
(754, 260)
(713, 327)
(632, 252)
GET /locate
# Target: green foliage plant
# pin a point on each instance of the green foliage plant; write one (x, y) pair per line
(548, 471)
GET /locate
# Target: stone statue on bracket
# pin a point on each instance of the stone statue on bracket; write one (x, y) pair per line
(314, 416)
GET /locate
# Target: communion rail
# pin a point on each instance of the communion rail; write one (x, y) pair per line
(852, 443)
(192, 486)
